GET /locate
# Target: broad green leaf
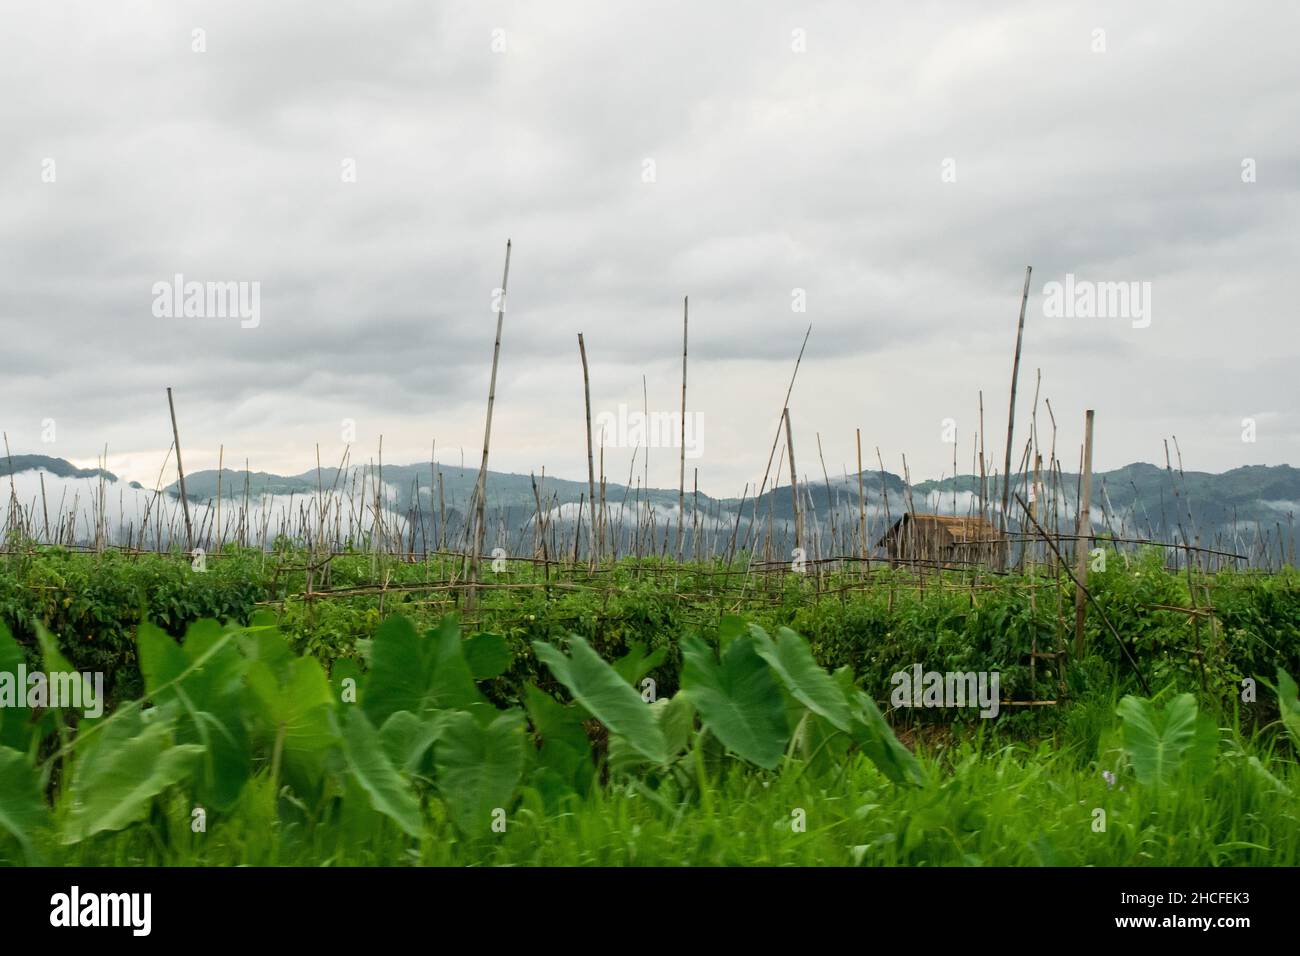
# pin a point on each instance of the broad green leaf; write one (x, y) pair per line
(636, 663)
(487, 655)
(15, 716)
(605, 695)
(823, 747)
(566, 749)
(300, 706)
(417, 672)
(730, 627)
(398, 676)
(792, 661)
(873, 735)
(128, 763)
(876, 739)
(450, 682)
(676, 719)
(479, 767)
(1158, 739)
(22, 811)
(161, 658)
(267, 646)
(407, 738)
(623, 760)
(297, 712)
(738, 699)
(1288, 705)
(389, 793)
(211, 698)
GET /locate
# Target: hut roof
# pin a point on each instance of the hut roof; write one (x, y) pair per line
(961, 529)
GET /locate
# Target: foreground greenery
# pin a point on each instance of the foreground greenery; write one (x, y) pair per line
(242, 751)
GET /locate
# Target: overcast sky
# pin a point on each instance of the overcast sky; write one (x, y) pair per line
(900, 164)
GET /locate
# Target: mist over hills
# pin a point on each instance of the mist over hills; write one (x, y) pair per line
(1137, 500)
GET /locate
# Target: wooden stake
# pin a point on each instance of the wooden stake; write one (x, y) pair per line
(862, 507)
(794, 481)
(591, 469)
(1084, 539)
(480, 489)
(180, 472)
(681, 477)
(1011, 411)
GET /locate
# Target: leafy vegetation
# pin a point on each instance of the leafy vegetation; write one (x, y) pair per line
(242, 751)
(94, 603)
(632, 718)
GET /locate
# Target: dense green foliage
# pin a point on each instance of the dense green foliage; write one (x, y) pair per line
(243, 752)
(94, 603)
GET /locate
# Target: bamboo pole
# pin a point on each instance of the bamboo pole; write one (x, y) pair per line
(591, 470)
(481, 486)
(1085, 536)
(180, 473)
(1011, 410)
(776, 439)
(794, 481)
(862, 507)
(681, 477)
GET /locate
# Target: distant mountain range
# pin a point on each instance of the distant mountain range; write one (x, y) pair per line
(1137, 500)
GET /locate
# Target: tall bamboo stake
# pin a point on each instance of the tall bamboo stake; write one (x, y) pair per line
(794, 482)
(481, 487)
(1085, 536)
(180, 473)
(681, 477)
(1011, 411)
(591, 470)
(862, 506)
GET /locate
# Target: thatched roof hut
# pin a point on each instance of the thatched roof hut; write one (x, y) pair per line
(949, 540)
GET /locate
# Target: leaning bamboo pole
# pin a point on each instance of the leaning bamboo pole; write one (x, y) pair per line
(591, 471)
(180, 473)
(1011, 409)
(480, 489)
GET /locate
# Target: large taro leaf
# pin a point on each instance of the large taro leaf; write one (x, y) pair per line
(873, 735)
(15, 716)
(605, 695)
(294, 709)
(211, 701)
(417, 672)
(822, 747)
(370, 766)
(636, 663)
(792, 661)
(22, 811)
(487, 655)
(564, 759)
(265, 644)
(676, 718)
(1161, 741)
(738, 699)
(406, 738)
(130, 760)
(876, 739)
(478, 767)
